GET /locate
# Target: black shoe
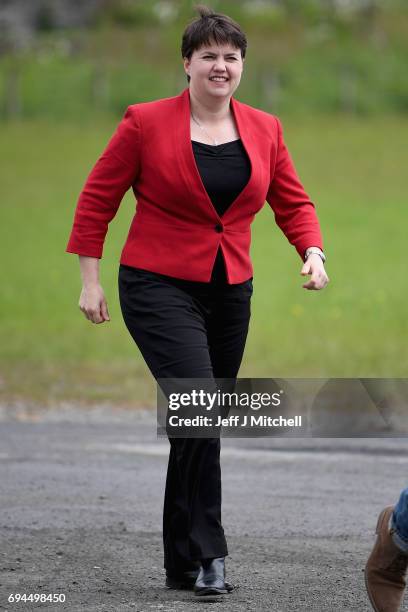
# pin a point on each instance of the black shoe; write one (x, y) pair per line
(211, 579)
(181, 580)
(186, 580)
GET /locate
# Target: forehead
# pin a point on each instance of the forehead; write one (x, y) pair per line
(217, 49)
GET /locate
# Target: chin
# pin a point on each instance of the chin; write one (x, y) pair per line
(221, 92)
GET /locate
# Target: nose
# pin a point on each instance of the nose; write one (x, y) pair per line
(219, 64)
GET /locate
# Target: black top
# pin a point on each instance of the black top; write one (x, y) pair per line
(225, 170)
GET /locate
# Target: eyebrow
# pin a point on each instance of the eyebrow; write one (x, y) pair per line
(212, 53)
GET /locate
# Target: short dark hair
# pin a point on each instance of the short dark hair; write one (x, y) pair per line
(211, 27)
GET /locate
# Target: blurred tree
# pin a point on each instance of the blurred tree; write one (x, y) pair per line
(44, 19)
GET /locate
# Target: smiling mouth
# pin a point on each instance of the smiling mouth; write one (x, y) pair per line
(219, 79)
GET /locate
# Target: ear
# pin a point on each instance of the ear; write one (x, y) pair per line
(186, 63)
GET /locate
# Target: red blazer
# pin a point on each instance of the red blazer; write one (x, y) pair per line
(176, 230)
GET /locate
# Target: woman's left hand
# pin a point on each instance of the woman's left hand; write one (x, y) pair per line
(314, 266)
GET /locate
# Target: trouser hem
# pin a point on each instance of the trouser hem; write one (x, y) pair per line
(399, 541)
(210, 554)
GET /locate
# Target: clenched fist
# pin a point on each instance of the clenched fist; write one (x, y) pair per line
(93, 304)
(315, 268)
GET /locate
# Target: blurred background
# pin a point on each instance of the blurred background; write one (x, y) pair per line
(334, 71)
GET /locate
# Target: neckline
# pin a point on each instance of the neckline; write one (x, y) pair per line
(215, 146)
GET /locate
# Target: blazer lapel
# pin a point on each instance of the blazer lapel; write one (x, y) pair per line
(250, 193)
(186, 159)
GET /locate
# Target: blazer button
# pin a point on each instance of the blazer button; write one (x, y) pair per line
(219, 228)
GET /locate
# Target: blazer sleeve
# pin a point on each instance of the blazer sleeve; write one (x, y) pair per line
(294, 212)
(114, 172)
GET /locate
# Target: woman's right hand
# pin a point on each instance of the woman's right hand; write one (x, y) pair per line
(92, 303)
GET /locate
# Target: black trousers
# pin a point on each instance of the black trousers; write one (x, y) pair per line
(188, 329)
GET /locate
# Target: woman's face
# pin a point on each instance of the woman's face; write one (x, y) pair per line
(215, 70)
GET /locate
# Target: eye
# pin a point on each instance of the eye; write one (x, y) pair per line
(231, 58)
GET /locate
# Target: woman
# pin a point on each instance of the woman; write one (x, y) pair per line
(201, 165)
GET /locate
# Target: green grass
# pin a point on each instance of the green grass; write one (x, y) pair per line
(354, 171)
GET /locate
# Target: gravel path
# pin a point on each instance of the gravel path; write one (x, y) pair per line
(81, 495)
